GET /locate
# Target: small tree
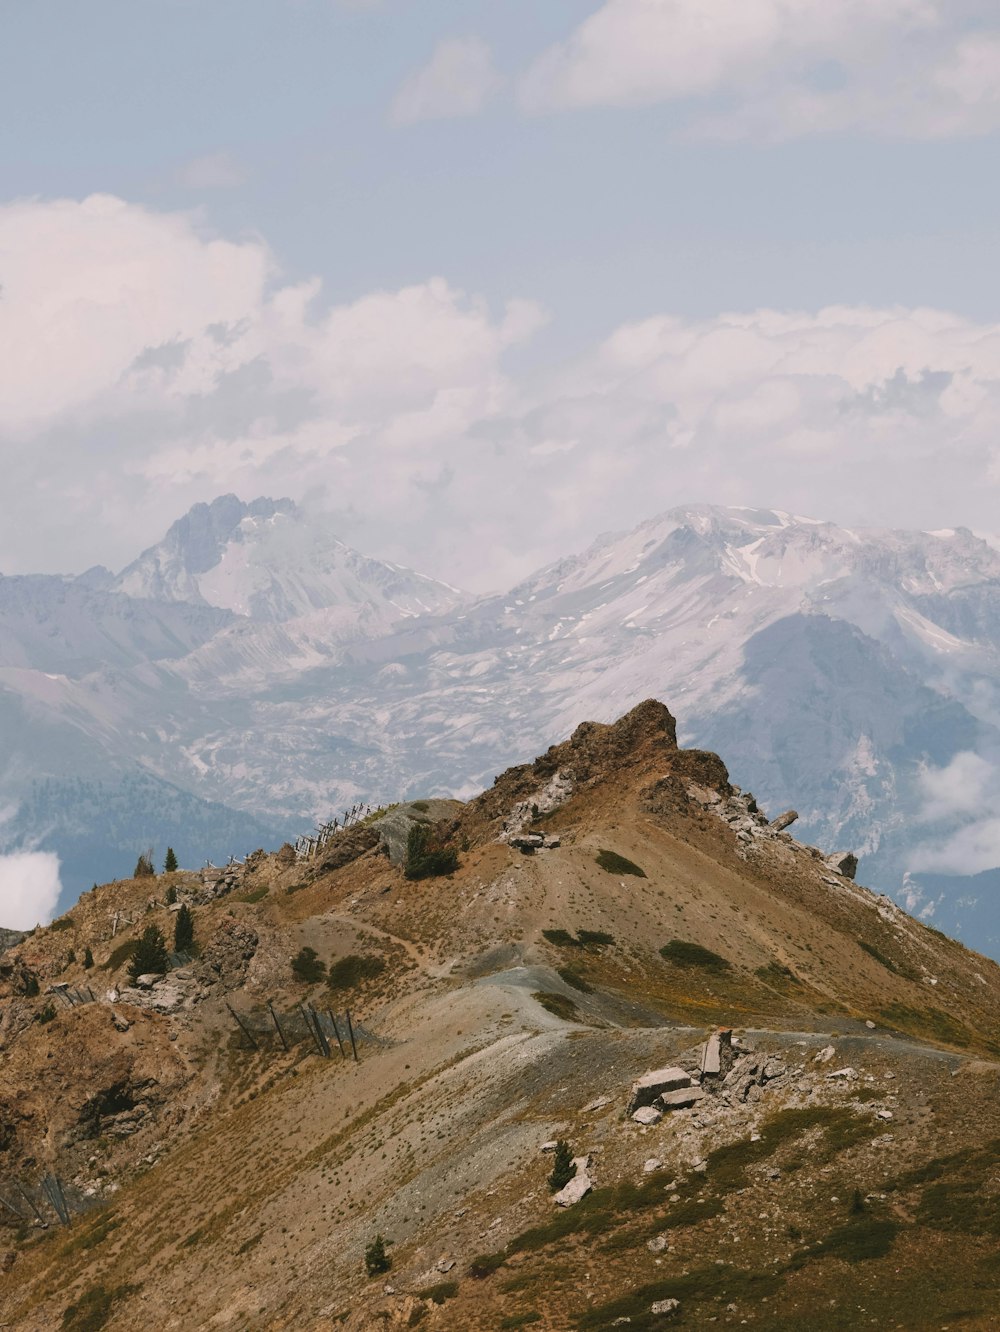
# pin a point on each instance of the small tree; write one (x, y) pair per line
(183, 930)
(144, 866)
(170, 861)
(150, 954)
(426, 855)
(376, 1258)
(88, 959)
(563, 1168)
(171, 895)
(306, 966)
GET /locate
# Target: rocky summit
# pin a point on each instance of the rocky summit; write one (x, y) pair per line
(603, 1047)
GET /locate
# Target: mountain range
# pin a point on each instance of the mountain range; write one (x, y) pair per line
(250, 673)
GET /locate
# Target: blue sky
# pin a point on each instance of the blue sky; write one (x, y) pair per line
(492, 278)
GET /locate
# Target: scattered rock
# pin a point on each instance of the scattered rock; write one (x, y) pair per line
(654, 1163)
(599, 1104)
(657, 1244)
(665, 1308)
(549, 1146)
(149, 979)
(680, 1099)
(847, 1072)
(825, 1055)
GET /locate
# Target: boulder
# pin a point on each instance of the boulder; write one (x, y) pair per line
(665, 1308)
(651, 1085)
(717, 1054)
(843, 862)
(148, 980)
(784, 821)
(681, 1098)
(647, 1114)
(578, 1187)
(825, 1055)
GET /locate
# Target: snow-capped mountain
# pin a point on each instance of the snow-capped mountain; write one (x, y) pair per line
(267, 561)
(852, 674)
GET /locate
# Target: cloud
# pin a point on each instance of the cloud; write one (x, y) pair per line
(458, 80)
(214, 171)
(966, 790)
(151, 363)
(29, 889)
(784, 68)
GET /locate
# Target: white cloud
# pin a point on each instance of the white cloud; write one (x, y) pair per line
(784, 68)
(458, 80)
(966, 790)
(214, 171)
(29, 889)
(149, 363)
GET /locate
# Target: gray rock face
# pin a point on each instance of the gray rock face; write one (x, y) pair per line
(10, 939)
(843, 862)
(394, 828)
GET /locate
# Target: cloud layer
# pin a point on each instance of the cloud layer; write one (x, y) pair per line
(29, 889)
(785, 68)
(150, 363)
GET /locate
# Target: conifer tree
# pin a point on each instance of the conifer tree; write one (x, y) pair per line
(88, 959)
(144, 866)
(183, 930)
(563, 1168)
(376, 1258)
(170, 862)
(150, 954)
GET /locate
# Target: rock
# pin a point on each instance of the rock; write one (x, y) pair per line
(825, 1055)
(681, 1098)
(549, 1146)
(444, 1265)
(578, 1187)
(654, 1163)
(647, 1114)
(843, 862)
(869, 1024)
(599, 1104)
(774, 1068)
(148, 980)
(715, 1054)
(884, 1114)
(657, 1244)
(847, 1072)
(665, 1308)
(653, 1084)
(784, 821)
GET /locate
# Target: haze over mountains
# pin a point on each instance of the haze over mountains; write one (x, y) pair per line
(250, 672)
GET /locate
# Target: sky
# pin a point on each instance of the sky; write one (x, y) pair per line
(481, 281)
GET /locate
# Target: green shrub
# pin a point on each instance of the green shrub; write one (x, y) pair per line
(563, 1169)
(171, 895)
(616, 864)
(595, 938)
(683, 953)
(350, 971)
(93, 1309)
(558, 1005)
(47, 1014)
(426, 856)
(376, 1258)
(444, 1290)
(307, 967)
(577, 982)
(144, 866)
(485, 1264)
(149, 954)
(561, 939)
(63, 923)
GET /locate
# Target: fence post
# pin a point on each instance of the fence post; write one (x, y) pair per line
(243, 1029)
(310, 1028)
(336, 1033)
(350, 1032)
(277, 1025)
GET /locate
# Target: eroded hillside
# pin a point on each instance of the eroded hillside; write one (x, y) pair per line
(615, 904)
